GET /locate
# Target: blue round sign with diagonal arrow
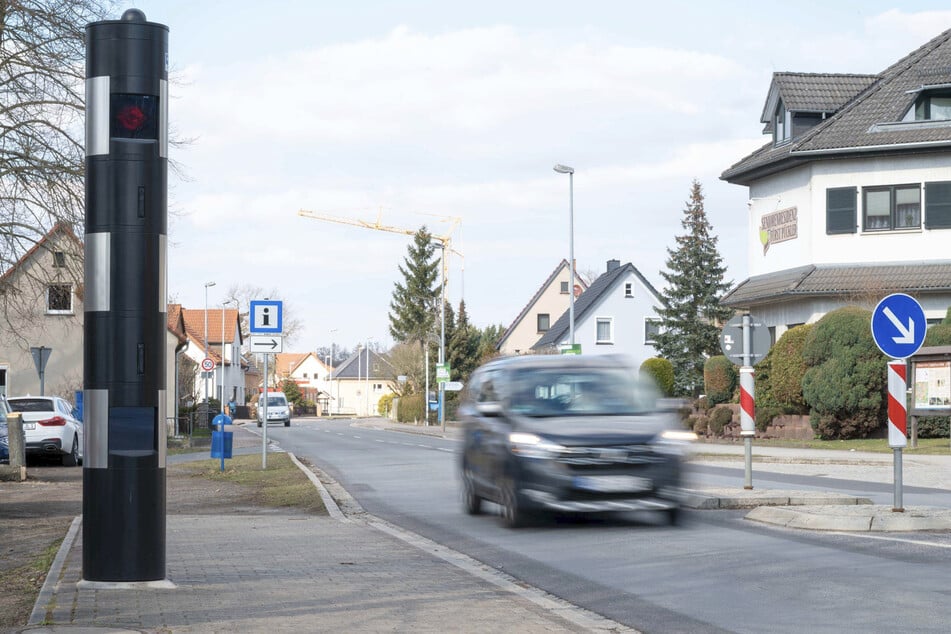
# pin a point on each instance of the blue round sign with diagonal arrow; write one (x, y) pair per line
(898, 325)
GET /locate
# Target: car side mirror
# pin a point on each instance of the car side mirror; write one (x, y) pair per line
(489, 408)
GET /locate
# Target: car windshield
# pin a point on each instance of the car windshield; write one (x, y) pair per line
(31, 405)
(276, 401)
(579, 392)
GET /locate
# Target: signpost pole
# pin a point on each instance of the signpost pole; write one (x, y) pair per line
(747, 405)
(898, 328)
(264, 417)
(745, 341)
(897, 428)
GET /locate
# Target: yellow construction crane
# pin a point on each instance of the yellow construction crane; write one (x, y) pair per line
(444, 240)
(446, 243)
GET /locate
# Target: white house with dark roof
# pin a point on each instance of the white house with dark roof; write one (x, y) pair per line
(536, 318)
(850, 199)
(358, 384)
(617, 314)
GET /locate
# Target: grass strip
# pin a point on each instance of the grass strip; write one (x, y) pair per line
(281, 485)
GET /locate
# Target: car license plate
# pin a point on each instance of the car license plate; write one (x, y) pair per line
(612, 484)
(27, 426)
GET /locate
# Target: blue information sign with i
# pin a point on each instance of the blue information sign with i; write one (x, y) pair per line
(267, 317)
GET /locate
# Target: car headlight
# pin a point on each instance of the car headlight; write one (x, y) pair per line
(532, 446)
(673, 441)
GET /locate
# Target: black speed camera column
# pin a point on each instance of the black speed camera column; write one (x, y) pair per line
(125, 299)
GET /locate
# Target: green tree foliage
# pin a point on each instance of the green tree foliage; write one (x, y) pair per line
(462, 349)
(416, 299)
(692, 315)
(845, 383)
(719, 379)
(661, 371)
(488, 338)
(292, 392)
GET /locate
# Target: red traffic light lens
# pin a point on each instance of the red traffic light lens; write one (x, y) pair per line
(134, 116)
(131, 118)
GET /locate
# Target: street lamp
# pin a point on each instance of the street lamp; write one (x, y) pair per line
(331, 377)
(207, 286)
(570, 171)
(223, 304)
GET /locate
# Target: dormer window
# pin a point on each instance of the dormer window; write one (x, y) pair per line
(782, 124)
(931, 105)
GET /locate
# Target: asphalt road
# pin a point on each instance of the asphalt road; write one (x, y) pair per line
(716, 572)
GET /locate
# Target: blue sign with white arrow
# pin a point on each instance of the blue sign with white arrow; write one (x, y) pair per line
(898, 325)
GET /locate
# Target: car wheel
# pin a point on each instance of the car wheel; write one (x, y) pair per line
(471, 501)
(514, 514)
(673, 516)
(287, 423)
(259, 423)
(71, 459)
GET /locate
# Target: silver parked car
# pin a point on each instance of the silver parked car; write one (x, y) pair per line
(50, 427)
(568, 434)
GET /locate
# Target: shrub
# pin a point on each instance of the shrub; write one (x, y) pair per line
(410, 408)
(766, 413)
(938, 335)
(662, 373)
(787, 368)
(698, 424)
(720, 417)
(385, 403)
(719, 379)
(932, 426)
(844, 385)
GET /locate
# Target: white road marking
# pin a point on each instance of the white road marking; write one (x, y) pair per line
(916, 542)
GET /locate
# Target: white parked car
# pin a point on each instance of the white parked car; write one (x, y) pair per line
(50, 427)
(278, 409)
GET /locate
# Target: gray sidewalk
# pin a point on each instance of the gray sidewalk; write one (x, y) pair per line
(300, 573)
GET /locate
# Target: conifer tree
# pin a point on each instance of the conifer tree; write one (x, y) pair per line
(693, 315)
(462, 349)
(416, 299)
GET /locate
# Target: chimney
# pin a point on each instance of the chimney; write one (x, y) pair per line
(613, 265)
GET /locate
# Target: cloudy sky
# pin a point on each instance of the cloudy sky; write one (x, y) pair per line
(414, 112)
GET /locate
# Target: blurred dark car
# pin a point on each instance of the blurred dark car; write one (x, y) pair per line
(568, 434)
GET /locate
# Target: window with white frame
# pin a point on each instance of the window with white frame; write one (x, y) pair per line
(564, 288)
(59, 299)
(59, 259)
(628, 289)
(605, 330)
(543, 322)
